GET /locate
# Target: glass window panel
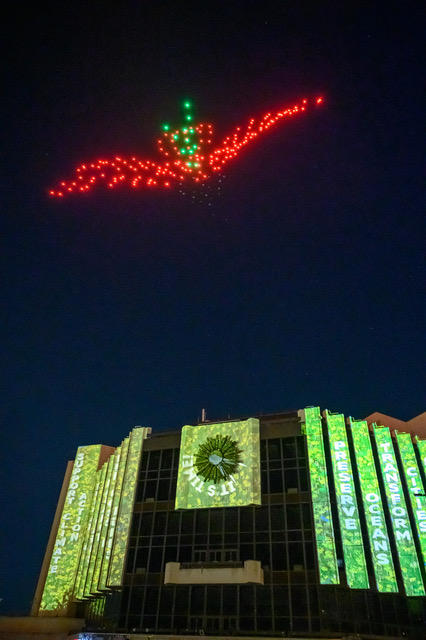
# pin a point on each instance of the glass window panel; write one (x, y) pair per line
(277, 517)
(197, 600)
(246, 552)
(230, 600)
(216, 520)
(290, 479)
(166, 458)
(163, 490)
(155, 559)
(166, 600)
(146, 524)
(289, 448)
(295, 553)
(160, 523)
(303, 479)
(246, 519)
(274, 449)
(263, 450)
(263, 554)
(173, 522)
(202, 520)
(187, 521)
(213, 600)
(136, 600)
(141, 557)
(279, 559)
(150, 489)
(154, 460)
(144, 460)
(135, 524)
(293, 516)
(261, 517)
(299, 601)
(231, 519)
(170, 554)
(275, 482)
(281, 603)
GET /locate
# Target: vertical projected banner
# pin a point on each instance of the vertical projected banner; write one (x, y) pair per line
(87, 545)
(103, 568)
(106, 563)
(99, 551)
(60, 580)
(219, 465)
(405, 545)
(380, 548)
(421, 447)
(415, 486)
(324, 533)
(94, 532)
(347, 506)
(127, 498)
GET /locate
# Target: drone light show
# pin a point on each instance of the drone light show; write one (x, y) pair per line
(188, 154)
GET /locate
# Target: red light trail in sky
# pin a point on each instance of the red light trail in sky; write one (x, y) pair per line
(186, 155)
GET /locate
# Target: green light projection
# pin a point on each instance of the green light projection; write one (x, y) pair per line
(106, 527)
(421, 447)
(87, 545)
(94, 539)
(127, 498)
(380, 548)
(106, 563)
(323, 522)
(347, 506)
(219, 465)
(415, 486)
(61, 576)
(99, 552)
(405, 545)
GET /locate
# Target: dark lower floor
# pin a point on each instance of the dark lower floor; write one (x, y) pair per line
(269, 609)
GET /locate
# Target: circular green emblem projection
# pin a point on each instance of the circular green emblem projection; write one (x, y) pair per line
(217, 458)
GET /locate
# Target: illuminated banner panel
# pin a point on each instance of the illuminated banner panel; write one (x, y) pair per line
(347, 506)
(93, 533)
(103, 571)
(65, 558)
(380, 548)
(127, 499)
(219, 465)
(415, 486)
(106, 563)
(421, 446)
(87, 544)
(324, 533)
(405, 545)
(99, 529)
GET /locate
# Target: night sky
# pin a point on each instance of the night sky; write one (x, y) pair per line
(301, 283)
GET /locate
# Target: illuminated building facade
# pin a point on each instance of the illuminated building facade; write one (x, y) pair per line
(305, 522)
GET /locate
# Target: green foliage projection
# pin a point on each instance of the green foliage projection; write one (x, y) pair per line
(415, 487)
(323, 522)
(217, 458)
(407, 554)
(127, 498)
(219, 465)
(347, 506)
(61, 576)
(107, 525)
(380, 548)
(106, 563)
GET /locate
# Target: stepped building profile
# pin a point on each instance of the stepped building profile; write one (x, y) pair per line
(298, 523)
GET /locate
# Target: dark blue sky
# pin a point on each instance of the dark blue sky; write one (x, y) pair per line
(303, 283)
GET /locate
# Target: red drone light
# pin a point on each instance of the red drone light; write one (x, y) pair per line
(185, 155)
